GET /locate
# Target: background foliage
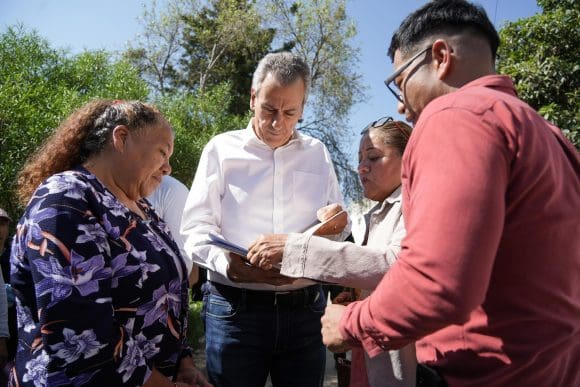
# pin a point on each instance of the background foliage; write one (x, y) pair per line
(195, 326)
(196, 117)
(542, 54)
(197, 68)
(41, 86)
(222, 40)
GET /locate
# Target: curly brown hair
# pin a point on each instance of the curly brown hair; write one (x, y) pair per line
(83, 134)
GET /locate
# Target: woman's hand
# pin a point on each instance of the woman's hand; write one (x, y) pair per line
(333, 220)
(327, 212)
(157, 379)
(190, 375)
(344, 298)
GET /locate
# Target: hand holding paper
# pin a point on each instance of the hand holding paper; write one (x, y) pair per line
(267, 251)
(239, 268)
(240, 271)
(218, 241)
(333, 220)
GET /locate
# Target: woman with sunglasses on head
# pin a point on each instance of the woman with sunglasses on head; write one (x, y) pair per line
(381, 148)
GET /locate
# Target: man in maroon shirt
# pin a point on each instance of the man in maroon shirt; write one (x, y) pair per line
(488, 280)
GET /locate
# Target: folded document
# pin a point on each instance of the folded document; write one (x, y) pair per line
(227, 245)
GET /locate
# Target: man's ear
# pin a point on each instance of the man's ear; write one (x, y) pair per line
(252, 99)
(120, 137)
(442, 54)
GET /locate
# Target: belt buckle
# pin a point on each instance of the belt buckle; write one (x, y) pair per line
(276, 294)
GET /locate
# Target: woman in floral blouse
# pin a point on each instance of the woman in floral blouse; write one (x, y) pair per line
(101, 288)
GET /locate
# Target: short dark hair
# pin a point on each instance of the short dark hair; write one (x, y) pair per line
(443, 16)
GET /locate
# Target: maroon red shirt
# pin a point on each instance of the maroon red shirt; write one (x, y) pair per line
(488, 279)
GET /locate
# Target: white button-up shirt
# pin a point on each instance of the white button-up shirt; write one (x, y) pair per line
(243, 188)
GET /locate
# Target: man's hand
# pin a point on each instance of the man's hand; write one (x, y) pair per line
(267, 251)
(240, 270)
(331, 336)
(190, 375)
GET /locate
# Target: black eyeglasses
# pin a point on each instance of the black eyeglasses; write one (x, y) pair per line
(381, 122)
(394, 89)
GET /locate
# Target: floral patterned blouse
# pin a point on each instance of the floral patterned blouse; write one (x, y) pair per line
(101, 293)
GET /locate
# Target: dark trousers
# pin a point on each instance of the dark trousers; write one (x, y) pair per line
(429, 377)
(253, 334)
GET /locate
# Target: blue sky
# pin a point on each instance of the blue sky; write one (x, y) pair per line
(110, 24)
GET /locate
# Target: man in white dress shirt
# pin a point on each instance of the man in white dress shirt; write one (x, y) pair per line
(267, 178)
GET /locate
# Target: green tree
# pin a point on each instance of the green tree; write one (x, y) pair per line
(541, 54)
(222, 43)
(156, 50)
(41, 86)
(189, 47)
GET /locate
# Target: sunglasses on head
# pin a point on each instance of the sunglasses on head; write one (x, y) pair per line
(381, 122)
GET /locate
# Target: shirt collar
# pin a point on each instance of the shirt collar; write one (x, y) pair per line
(387, 203)
(250, 138)
(493, 81)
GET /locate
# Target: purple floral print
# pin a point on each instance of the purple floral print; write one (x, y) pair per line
(99, 296)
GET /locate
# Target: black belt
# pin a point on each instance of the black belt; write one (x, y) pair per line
(299, 297)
